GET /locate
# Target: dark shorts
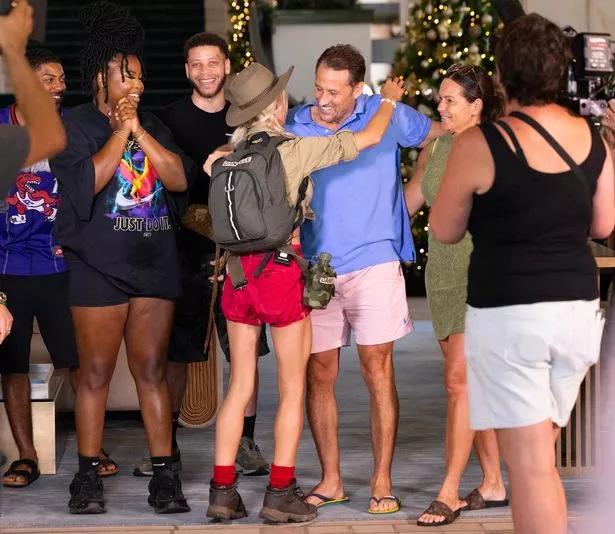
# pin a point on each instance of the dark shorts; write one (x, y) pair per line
(92, 289)
(46, 299)
(192, 311)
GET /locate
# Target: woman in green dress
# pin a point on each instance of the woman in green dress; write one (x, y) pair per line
(467, 97)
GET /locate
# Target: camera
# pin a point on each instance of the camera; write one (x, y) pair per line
(5, 6)
(590, 75)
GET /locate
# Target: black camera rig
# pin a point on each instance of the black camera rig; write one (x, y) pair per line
(590, 82)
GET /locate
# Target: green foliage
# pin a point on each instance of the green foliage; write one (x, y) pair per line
(439, 34)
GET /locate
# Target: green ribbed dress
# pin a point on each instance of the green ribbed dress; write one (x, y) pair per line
(446, 274)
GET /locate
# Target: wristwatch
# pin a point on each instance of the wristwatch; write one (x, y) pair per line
(3, 298)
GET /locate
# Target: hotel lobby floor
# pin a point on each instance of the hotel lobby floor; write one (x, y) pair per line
(463, 526)
(417, 471)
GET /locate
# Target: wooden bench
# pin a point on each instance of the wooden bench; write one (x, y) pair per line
(44, 427)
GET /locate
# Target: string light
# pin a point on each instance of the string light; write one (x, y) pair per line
(239, 43)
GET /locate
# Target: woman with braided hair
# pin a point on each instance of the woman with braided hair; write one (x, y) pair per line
(120, 177)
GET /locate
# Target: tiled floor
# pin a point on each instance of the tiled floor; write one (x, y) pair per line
(492, 526)
(483, 526)
(418, 466)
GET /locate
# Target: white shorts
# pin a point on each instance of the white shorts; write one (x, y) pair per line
(526, 363)
(371, 302)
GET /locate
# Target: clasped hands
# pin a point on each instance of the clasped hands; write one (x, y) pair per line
(125, 121)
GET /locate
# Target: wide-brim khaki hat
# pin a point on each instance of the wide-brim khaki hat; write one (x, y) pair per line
(251, 91)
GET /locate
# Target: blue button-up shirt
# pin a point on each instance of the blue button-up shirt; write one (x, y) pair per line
(361, 216)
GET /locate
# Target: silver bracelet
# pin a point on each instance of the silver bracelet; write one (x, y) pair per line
(392, 102)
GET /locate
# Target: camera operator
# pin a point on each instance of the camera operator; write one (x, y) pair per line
(44, 135)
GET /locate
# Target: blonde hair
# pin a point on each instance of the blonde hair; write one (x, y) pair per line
(265, 121)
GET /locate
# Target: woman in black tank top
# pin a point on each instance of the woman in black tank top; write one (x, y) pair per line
(531, 189)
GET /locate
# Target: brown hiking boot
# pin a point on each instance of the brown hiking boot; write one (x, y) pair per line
(225, 502)
(285, 505)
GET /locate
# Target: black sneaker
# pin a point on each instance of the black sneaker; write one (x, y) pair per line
(286, 505)
(86, 494)
(225, 502)
(165, 493)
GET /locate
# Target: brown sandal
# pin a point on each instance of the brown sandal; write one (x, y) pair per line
(441, 509)
(106, 466)
(477, 502)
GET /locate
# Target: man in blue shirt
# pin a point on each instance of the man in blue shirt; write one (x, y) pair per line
(33, 278)
(362, 221)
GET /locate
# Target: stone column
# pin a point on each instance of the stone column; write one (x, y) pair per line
(216, 17)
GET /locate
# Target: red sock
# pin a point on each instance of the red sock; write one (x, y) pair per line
(281, 477)
(224, 475)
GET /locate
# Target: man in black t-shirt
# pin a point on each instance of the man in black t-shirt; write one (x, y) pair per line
(198, 125)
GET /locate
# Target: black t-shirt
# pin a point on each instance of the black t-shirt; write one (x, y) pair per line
(126, 230)
(198, 133)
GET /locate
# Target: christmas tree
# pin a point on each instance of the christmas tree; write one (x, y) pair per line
(438, 34)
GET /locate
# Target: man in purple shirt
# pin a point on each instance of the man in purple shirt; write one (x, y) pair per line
(34, 281)
(362, 222)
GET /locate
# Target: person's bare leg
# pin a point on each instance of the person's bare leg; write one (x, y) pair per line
(458, 436)
(538, 499)
(379, 375)
(292, 350)
(16, 392)
(253, 403)
(73, 379)
(97, 357)
(322, 372)
(488, 452)
(243, 341)
(147, 360)
(177, 382)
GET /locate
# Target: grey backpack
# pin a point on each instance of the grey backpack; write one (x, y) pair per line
(247, 198)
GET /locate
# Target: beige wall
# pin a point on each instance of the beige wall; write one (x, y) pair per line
(216, 17)
(583, 15)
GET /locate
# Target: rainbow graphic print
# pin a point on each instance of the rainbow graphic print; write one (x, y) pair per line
(138, 202)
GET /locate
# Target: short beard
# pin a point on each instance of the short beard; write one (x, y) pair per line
(215, 92)
(336, 119)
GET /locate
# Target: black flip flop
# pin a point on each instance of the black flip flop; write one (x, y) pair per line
(107, 462)
(475, 501)
(28, 476)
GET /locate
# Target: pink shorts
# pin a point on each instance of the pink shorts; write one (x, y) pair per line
(370, 302)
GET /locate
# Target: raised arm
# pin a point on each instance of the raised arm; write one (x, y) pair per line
(108, 158)
(412, 190)
(44, 125)
(371, 135)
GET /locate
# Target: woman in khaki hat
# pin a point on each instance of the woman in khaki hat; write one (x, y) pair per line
(259, 103)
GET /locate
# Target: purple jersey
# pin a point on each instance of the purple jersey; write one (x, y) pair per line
(27, 219)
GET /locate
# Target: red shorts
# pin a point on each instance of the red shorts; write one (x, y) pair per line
(274, 298)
